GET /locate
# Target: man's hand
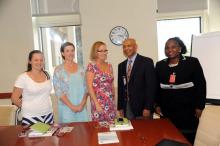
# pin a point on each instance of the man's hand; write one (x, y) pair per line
(121, 113)
(158, 111)
(146, 114)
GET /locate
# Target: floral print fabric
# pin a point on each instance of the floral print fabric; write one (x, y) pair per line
(102, 86)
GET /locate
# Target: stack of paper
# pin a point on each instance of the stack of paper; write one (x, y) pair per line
(41, 129)
(107, 137)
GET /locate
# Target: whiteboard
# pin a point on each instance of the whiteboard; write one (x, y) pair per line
(206, 47)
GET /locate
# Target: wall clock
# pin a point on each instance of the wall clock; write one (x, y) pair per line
(118, 34)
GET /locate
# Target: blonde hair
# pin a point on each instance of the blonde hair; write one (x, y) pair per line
(94, 49)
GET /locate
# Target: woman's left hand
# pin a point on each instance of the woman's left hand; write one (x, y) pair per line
(81, 106)
(113, 97)
(198, 113)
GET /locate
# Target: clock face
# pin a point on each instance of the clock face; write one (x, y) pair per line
(118, 34)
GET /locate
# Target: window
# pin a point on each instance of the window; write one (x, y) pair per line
(51, 31)
(183, 28)
(53, 37)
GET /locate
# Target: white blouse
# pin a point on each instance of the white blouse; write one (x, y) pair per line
(35, 96)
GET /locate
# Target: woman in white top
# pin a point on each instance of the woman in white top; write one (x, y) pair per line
(34, 86)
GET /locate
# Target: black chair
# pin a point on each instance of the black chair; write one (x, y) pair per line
(167, 142)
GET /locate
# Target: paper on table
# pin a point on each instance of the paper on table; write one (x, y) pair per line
(107, 137)
(40, 127)
(50, 132)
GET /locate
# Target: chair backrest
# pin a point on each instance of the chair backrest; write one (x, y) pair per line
(7, 114)
(208, 132)
(6, 95)
(18, 117)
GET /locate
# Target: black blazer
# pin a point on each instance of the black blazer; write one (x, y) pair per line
(141, 87)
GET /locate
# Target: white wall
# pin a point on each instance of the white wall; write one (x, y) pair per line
(53, 7)
(168, 6)
(16, 40)
(214, 15)
(100, 16)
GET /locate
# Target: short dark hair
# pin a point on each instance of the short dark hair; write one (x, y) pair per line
(180, 43)
(63, 46)
(30, 56)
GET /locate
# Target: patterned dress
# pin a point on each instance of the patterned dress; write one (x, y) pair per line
(102, 85)
(73, 86)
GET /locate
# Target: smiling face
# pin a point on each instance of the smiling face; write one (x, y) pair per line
(37, 61)
(101, 52)
(172, 49)
(68, 53)
(129, 48)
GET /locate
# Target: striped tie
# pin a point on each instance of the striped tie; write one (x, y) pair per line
(129, 70)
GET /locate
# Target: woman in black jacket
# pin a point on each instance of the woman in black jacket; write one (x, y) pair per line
(181, 88)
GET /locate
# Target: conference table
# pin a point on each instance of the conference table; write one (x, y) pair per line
(145, 133)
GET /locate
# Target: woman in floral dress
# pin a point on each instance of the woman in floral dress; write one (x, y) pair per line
(100, 84)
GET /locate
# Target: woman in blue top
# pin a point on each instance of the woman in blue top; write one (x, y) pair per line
(70, 87)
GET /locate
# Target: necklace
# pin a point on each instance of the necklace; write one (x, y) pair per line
(173, 65)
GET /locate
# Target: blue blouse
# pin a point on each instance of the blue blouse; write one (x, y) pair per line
(74, 87)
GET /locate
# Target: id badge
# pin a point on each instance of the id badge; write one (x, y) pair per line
(124, 80)
(172, 78)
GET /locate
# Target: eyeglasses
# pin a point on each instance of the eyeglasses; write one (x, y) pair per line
(102, 51)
